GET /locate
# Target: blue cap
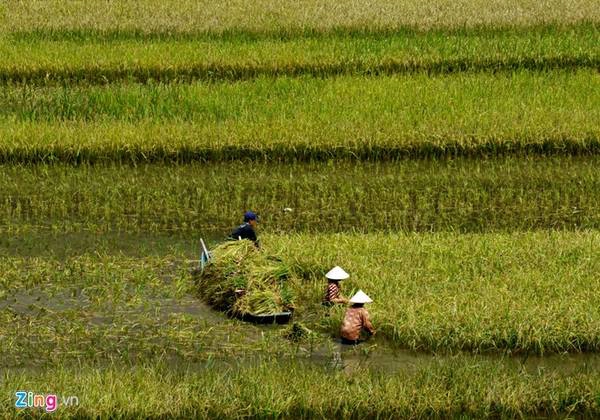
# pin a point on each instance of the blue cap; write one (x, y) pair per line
(250, 215)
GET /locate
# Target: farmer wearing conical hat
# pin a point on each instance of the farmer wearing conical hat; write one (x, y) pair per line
(332, 292)
(356, 319)
(247, 230)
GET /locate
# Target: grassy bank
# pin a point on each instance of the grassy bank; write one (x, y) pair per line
(151, 16)
(97, 59)
(273, 388)
(526, 293)
(453, 195)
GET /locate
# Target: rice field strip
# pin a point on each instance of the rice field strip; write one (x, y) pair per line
(291, 33)
(152, 154)
(460, 195)
(187, 73)
(406, 103)
(92, 59)
(453, 286)
(204, 72)
(288, 119)
(189, 16)
(269, 387)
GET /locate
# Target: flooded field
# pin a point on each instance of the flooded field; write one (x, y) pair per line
(184, 346)
(102, 284)
(79, 306)
(246, 341)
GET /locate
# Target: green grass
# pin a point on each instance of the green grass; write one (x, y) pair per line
(208, 199)
(151, 16)
(305, 119)
(32, 58)
(291, 389)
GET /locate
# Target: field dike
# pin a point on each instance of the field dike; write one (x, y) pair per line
(186, 16)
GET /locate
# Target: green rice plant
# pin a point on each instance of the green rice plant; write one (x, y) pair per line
(459, 387)
(96, 60)
(305, 119)
(520, 292)
(461, 195)
(477, 104)
(308, 83)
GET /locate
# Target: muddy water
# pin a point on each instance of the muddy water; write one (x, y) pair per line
(387, 361)
(384, 359)
(64, 245)
(376, 356)
(30, 303)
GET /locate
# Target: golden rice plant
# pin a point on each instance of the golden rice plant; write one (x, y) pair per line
(241, 279)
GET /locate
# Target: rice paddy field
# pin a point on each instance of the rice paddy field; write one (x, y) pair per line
(444, 153)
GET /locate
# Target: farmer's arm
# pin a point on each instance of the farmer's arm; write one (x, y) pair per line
(339, 299)
(367, 322)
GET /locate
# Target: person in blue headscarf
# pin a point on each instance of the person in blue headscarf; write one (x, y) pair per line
(247, 230)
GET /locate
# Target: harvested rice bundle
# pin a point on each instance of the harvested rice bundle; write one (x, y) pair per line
(242, 280)
(258, 302)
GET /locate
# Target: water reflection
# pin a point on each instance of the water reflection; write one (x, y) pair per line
(382, 358)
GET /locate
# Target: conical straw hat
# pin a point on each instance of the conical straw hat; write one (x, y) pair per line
(337, 273)
(360, 297)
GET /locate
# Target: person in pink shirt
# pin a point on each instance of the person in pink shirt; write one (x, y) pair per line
(356, 319)
(332, 292)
